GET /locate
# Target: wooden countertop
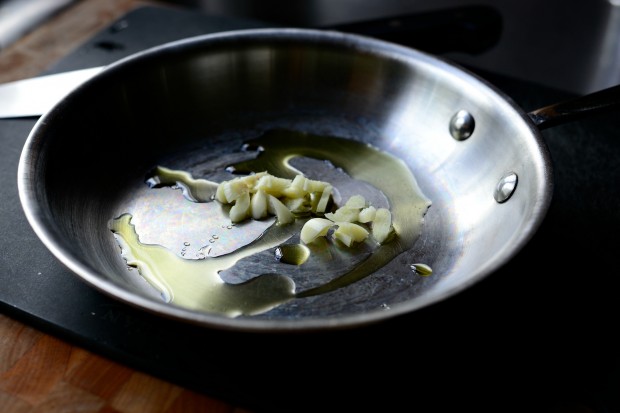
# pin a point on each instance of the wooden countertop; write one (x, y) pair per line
(39, 372)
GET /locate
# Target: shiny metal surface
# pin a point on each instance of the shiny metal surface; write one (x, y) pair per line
(462, 125)
(192, 104)
(506, 187)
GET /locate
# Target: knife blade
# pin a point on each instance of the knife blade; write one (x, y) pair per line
(34, 96)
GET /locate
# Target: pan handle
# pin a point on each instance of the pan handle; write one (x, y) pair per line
(470, 29)
(573, 109)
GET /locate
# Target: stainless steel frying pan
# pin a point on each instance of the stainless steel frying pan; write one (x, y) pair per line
(204, 104)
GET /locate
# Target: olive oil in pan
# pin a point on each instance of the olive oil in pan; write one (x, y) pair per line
(196, 284)
(295, 254)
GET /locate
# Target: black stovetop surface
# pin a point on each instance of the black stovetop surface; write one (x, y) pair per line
(540, 332)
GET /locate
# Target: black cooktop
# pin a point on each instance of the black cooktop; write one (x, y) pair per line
(539, 333)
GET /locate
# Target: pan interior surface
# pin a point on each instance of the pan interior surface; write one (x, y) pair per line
(205, 104)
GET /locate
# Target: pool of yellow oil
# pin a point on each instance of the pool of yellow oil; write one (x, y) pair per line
(197, 285)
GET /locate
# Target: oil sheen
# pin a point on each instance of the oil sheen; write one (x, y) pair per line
(196, 284)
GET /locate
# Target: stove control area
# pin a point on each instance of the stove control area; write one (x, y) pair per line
(571, 45)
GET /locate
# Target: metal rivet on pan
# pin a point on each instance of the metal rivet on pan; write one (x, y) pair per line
(505, 187)
(462, 125)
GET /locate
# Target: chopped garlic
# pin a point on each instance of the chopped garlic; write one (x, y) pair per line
(311, 185)
(241, 209)
(314, 228)
(235, 189)
(299, 205)
(261, 194)
(356, 201)
(349, 233)
(277, 208)
(382, 225)
(321, 206)
(367, 214)
(272, 185)
(258, 205)
(344, 214)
